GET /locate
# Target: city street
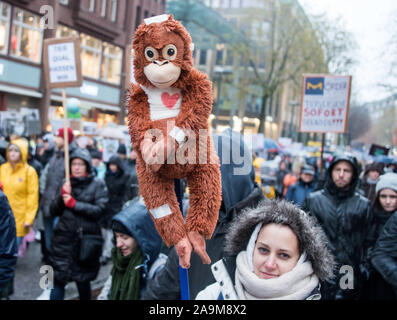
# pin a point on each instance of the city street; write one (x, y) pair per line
(27, 277)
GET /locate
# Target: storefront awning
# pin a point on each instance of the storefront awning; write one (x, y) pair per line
(21, 91)
(88, 105)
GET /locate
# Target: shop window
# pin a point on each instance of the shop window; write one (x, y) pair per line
(111, 63)
(90, 55)
(26, 38)
(4, 26)
(63, 31)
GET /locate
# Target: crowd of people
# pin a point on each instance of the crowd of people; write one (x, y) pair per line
(327, 233)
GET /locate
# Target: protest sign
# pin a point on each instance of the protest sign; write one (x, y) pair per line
(325, 103)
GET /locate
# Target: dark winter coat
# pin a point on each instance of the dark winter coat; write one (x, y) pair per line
(118, 185)
(298, 192)
(345, 217)
(238, 193)
(136, 219)
(53, 182)
(130, 166)
(91, 197)
(384, 257)
(8, 245)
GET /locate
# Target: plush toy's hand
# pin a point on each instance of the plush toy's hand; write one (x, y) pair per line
(148, 153)
(198, 243)
(184, 250)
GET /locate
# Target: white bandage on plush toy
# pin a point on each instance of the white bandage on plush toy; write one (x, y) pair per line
(178, 135)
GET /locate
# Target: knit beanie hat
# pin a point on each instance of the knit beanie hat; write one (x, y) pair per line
(117, 226)
(122, 149)
(387, 181)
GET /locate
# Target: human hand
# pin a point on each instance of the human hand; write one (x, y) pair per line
(67, 188)
(66, 197)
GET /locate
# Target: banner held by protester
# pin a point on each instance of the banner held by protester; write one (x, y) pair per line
(62, 68)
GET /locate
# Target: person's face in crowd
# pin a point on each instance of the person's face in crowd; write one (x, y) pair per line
(95, 162)
(373, 175)
(125, 243)
(283, 166)
(133, 155)
(79, 168)
(306, 178)
(122, 156)
(113, 167)
(276, 251)
(14, 155)
(59, 143)
(342, 174)
(388, 200)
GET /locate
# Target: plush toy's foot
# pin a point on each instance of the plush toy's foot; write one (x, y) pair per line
(198, 243)
(184, 250)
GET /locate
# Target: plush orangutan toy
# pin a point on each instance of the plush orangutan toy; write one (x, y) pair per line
(168, 116)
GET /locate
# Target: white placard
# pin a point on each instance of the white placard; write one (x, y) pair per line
(325, 103)
(62, 65)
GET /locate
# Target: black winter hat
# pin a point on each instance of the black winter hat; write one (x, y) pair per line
(119, 227)
(122, 149)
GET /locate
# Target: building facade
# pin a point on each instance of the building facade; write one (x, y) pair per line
(105, 29)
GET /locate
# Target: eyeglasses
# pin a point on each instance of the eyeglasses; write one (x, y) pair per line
(13, 149)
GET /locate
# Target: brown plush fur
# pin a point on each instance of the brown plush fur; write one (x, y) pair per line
(157, 188)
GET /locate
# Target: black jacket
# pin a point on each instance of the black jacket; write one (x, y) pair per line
(91, 197)
(345, 218)
(239, 192)
(54, 180)
(384, 257)
(118, 185)
(8, 244)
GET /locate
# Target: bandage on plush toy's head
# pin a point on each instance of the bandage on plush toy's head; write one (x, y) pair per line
(161, 36)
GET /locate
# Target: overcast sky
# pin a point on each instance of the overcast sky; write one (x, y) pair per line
(370, 21)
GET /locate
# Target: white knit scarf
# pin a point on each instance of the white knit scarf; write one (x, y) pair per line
(296, 284)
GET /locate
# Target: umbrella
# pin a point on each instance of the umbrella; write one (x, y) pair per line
(110, 132)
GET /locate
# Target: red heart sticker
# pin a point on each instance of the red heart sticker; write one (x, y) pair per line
(169, 101)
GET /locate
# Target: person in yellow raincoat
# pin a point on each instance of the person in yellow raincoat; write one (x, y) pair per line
(21, 186)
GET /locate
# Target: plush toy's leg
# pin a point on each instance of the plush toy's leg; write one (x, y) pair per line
(162, 204)
(205, 200)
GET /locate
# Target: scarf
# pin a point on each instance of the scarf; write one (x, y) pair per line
(296, 284)
(125, 275)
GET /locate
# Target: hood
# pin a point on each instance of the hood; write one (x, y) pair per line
(330, 185)
(115, 159)
(312, 239)
(84, 155)
(137, 220)
(23, 147)
(237, 171)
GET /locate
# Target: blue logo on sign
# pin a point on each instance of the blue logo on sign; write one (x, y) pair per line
(314, 86)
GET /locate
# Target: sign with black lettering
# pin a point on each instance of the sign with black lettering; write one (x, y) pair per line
(325, 103)
(62, 62)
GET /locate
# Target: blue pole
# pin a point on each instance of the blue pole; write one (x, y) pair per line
(183, 273)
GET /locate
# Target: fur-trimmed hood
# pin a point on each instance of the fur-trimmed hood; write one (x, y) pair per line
(312, 239)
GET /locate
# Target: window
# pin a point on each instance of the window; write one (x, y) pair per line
(63, 31)
(114, 10)
(103, 8)
(4, 26)
(90, 55)
(111, 63)
(91, 8)
(138, 17)
(64, 2)
(203, 57)
(26, 38)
